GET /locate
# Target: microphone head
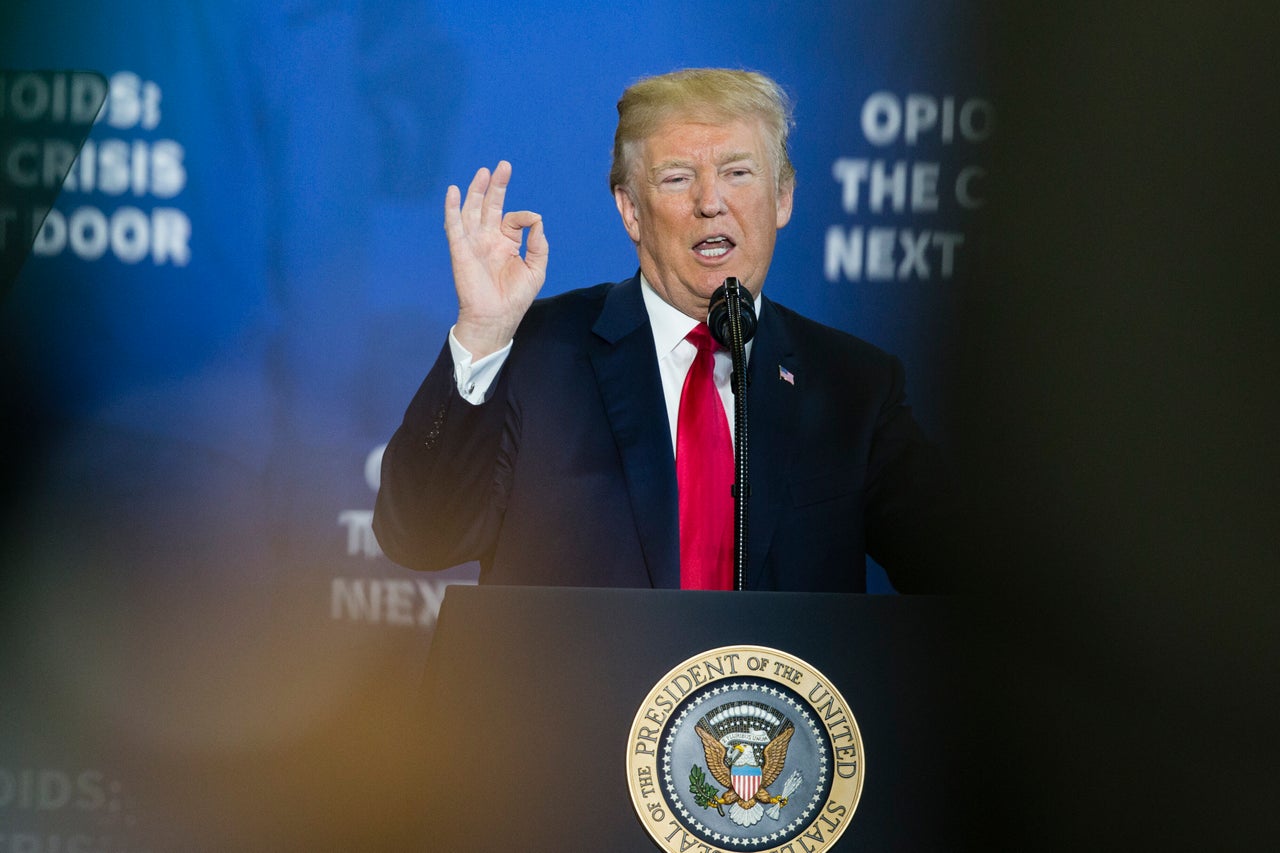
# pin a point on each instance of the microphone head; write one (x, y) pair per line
(718, 315)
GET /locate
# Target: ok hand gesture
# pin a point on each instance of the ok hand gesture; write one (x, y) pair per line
(495, 284)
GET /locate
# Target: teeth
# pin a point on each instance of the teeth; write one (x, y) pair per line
(718, 250)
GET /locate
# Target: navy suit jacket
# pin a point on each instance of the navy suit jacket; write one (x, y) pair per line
(566, 476)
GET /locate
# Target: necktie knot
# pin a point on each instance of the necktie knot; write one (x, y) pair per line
(701, 338)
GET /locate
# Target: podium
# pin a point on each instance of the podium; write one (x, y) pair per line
(531, 695)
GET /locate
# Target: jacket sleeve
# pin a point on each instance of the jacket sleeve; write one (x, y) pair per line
(445, 475)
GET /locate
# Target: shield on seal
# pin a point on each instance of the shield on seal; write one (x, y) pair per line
(746, 781)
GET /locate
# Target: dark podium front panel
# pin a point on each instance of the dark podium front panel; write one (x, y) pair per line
(531, 694)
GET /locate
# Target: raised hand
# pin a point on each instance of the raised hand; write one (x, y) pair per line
(495, 284)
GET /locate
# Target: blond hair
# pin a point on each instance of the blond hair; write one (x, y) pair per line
(718, 94)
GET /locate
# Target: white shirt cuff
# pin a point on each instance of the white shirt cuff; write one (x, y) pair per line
(475, 378)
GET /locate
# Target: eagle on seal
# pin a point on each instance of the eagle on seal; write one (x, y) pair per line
(721, 761)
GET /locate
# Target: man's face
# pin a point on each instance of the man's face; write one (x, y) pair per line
(704, 205)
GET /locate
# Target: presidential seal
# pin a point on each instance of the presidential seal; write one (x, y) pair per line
(745, 748)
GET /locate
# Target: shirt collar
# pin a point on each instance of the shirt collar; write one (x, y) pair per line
(670, 324)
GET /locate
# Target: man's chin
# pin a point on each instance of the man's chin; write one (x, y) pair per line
(746, 285)
(714, 281)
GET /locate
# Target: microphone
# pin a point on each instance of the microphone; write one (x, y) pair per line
(732, 321)
(727, 296)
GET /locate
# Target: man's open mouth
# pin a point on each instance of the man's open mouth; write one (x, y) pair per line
(714, 247)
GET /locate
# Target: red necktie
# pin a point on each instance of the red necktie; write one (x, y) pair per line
(704, 472)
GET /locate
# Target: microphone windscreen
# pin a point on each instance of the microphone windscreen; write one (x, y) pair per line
(718, 315)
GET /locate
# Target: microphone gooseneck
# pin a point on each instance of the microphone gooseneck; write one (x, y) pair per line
(732, 321)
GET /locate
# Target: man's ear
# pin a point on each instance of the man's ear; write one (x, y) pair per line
(628, 211)
(786, 196)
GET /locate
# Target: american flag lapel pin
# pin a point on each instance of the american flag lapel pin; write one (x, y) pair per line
(786, 375)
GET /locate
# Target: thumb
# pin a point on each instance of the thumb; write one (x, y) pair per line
(537, 249)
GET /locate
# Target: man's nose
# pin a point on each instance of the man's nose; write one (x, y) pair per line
(710, 200)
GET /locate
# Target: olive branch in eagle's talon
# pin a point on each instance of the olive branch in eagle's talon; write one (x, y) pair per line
(703, 793)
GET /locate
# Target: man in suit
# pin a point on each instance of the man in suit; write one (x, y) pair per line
(550, 441)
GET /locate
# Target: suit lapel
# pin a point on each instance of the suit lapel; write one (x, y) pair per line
(771, 406)
(626, 370)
